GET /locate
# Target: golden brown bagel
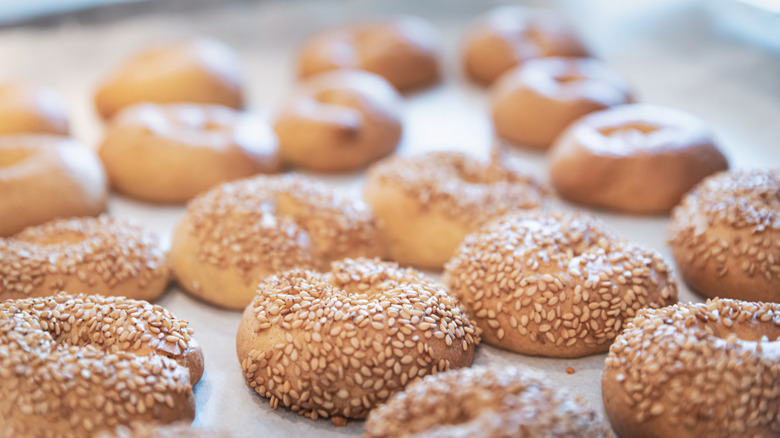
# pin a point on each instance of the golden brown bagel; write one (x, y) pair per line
(532, 104)
(199, 70)
(555, 284)
(238, 233)
(82, 255)
(725, 235)
(27, 108)
(339, 121)
(338, 344)
(404, 51)
(486, 402)
(507, 36)
(43, 177)
(77, 365)
(427, 204)
(170, 153)
(696, 370)
(633, 158)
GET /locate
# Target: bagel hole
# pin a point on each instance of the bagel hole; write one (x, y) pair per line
(11, 157)
(629, 129)
(568, 78)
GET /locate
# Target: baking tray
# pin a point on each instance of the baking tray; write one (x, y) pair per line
(669, 53)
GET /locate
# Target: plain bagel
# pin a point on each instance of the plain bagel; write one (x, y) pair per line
(633, 158)
(43, 177)
(339, 121)
(171, 153)
(26, 108)
(198, 70)
(507, 36)
(404, 51)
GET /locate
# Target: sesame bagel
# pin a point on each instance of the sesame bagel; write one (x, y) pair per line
(532, 104)
(725, 236)
(507, 36)
(238, 233)
(404, 51)
(28, 108)
(170, 153)
(633, 158)
(339, 343)
(198, 70)
(44, 177)
(77, 365)
(339, 121)
(428, 203)
(696, 370)
(112, 256)
(487, 402)
(555, 284)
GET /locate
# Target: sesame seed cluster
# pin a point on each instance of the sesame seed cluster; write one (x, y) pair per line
(726, 235)
(488, 402)
(281, 222)
(460, 186)
(339, 343)
(80, 255)
(704, 369)
(555, 284)
(72, 365)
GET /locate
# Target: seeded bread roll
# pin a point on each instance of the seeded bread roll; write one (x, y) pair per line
(404, 51)
(111, 256)
(377, 328)
(44, 177)
(486, 402)
(633, 158)
(27, 108)
(77, 365)
(171, 153)
(427, 204)
(725, 236)
(696, 370)
(339, 121)
(198, 70)
(508, 36)
(238, 233)
(533, 104)
(555, 284)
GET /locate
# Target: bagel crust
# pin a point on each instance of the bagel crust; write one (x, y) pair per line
(555, 284)
(115, 257)
(171, 153)
(198, 70)
(428, 203)
(696, 370)
(44, 177)
(337, 344)
(488, 402)
(339, 121)
(507, 36)
(76, 365)
(633, 158)
(238, 233)
(532, 105)
(725, 236)
(404, 51)
(27, 108)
